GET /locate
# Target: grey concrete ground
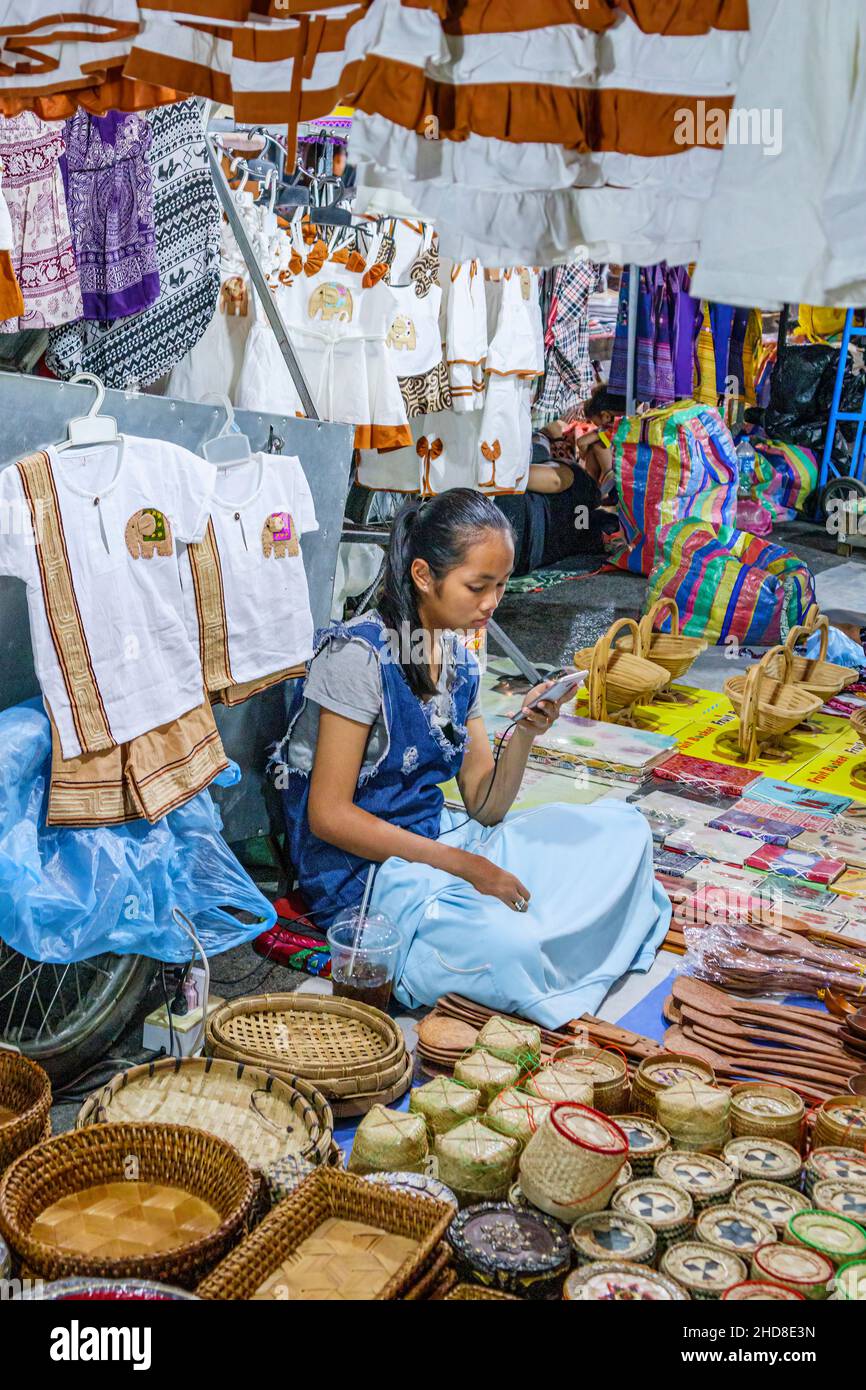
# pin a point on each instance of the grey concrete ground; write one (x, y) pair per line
(549, 626)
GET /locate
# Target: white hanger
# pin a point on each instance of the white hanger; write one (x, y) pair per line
(92, 428)
(228, 447)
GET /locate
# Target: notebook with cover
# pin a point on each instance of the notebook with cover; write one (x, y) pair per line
(771, 832)
(710, 844)
(794, 863)
(705, 775)
(800, 798)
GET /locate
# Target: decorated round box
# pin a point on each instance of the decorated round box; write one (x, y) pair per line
(763, 1160)
(621, 1282)
(706, 1272)
(763, 1293)
(844, 1196)
(707, 1179)
(511, 1248)
(795, 1267)
(835, 1236)
(731, 1228)
(834, 1161)
(612, 1235)
(772, 1200)
(647, 1139)
(662, 1205)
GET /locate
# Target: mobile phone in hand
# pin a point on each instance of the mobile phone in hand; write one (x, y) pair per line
(570, 682)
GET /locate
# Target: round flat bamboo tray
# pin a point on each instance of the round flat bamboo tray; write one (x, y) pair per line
(25, 1105)
(619, 679)
(647, 1140)
(621, 1280)
(817, 675)
(604, 1068)
(346, 1049)
(707, 1179)
(263, 1116)
(701, 1269)
(763, 1160)
(662, 1070)
(833, 1161)
(771, 1200)
(768, 707)
(671, 650)
(127, 1189)
(732, 1228)
(841, 1120)
(768, 1111)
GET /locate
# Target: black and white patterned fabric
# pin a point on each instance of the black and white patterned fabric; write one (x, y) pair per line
(136, 351)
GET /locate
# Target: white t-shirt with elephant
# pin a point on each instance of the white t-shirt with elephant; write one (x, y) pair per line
(260, 511)
(123, 520)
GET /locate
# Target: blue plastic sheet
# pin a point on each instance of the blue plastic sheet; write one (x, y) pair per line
(67, 894)
(841, 649)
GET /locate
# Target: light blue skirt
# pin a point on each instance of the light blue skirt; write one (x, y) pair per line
(596, 912)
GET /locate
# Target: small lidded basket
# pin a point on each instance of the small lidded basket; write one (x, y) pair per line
(772, 1200)
(701, 1269)
(835, 1236)
(805, 1272)
(512, 1249)
(665, 1206)
(834, 1161)
(614, 1281)
(764, 1160)
(604, 1068)
(486, 1074)
(512, 1041)
(708, 1180)
(604, 1235)
(647, 1140)
(443, 1103)
(844, 1196)
(476, 1163)
(732, 1228)
(696, 1116)
(665, 1069)
(571, 1164)
(841, 1120)
(557, 1083)
(517, 1114)
(392, 1141)
(767, 1111)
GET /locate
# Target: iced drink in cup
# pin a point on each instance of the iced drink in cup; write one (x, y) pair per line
(364, 951)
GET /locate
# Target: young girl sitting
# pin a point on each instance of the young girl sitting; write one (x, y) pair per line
(535, 913)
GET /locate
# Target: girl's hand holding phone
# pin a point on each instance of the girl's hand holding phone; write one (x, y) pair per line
(539, 714)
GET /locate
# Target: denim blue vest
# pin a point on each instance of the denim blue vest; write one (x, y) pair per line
(404, 786)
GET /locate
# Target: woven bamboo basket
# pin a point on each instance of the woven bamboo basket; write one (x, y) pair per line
(707, 1179)
(842, 1195)
(516, 1113)
(751, 1290)
(474, 1293)
(767, 1110)
(571, 1164)
(733, 1228)
(841, 1120)
(834, 1161)
(768, 706)
(665, 1069)
(620, 1280)
(594, 1236)
(647, 1140)
(25, 1105)
(817, 675)
(344, 1047)
(554, 1084)
(772, 1200)
(764, 1160)
(389, 1141)
(443, 1103)
(703, 1271)
(74, 1169)
(671, 650)
(665, 1206)
(333, 1196)
(696, 1115)
(477, 1163)
(511, 1041)
(836, 1237)
(265, 1117)
(486, 1074)
(424, 1286)
(606, 1070)
(619, 679)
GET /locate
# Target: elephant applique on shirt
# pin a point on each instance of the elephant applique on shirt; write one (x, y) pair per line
(147, 532)
(280, 536)
(331, 301)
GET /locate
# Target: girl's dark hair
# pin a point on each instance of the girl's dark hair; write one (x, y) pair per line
(439, 530)
(602, 399)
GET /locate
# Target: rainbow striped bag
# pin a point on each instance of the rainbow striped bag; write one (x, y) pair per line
(727, 583)
(785, 477)
(672, 465)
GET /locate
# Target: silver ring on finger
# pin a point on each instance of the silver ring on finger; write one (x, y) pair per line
(519, 904)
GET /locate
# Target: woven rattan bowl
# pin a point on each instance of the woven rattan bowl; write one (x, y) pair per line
(817, 675)
(343, 1047)
(25, 1103)
(263, 1116)
(671, 650)
(330, 1195)
(171, 1156)
(619, 678)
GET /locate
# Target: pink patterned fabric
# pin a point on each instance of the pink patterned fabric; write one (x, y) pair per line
(42, 255)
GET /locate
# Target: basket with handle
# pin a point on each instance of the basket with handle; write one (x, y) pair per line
(671, 650)
(768, 706)
(619, 678)
(816, 674)
(25, 1105)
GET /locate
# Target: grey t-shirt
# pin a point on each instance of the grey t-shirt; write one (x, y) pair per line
(345, 678)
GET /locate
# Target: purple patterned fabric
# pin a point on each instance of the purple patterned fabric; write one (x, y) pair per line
(109, 191)
(685, 324)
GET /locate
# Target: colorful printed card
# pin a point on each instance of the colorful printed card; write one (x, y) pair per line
(851, 884)
(836, 841)
(710, 844)
(797, 798)
(795, 819)
(796, 891)
(701, 774)
(794, 863)
(772, 832)
(677, 865)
